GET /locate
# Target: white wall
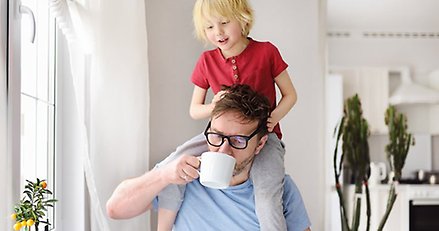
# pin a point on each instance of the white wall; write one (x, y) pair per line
(172, 51)
(295, 28)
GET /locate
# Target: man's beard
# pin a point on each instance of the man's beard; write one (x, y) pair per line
(239, 168)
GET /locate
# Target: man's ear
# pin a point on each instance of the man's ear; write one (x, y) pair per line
(261, 144)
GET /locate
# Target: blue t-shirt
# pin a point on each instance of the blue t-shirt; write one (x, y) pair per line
(234, 208)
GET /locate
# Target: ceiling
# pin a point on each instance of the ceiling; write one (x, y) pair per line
(383, 15)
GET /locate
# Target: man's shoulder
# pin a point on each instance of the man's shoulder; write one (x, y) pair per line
(294, 208)
(291, 191)
(288, 181)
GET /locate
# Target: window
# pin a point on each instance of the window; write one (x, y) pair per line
(37, 93)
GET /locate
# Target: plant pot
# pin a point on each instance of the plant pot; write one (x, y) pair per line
(38, 227)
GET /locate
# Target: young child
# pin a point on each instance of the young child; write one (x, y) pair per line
(237, 59)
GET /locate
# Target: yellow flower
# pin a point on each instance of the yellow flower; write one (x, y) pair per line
(30, 222)
(17, 226)
(23, 223)
(14, 216)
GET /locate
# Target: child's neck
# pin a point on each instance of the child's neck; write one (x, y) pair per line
(238, 48)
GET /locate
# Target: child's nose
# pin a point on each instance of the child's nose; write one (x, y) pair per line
(219, 31)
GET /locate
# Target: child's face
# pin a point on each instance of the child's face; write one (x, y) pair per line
(226, 34)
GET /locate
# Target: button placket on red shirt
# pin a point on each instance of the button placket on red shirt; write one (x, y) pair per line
(235, 70)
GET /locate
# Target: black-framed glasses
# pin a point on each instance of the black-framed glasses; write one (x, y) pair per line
(236, 141)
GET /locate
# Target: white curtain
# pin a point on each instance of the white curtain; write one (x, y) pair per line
(108, 57)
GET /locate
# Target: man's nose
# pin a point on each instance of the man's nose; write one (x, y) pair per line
(225, 147)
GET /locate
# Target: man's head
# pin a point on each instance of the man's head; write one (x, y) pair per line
(238, 126)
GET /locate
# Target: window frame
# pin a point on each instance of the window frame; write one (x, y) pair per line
(13, 108)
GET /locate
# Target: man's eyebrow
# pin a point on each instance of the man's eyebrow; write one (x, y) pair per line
(216, 131)
(222, 133)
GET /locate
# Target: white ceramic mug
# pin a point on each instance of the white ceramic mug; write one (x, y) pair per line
(216, 169)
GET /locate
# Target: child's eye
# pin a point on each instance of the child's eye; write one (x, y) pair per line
(209, 27)
(225, 22)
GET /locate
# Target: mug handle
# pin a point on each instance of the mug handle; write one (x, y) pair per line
(199, 166)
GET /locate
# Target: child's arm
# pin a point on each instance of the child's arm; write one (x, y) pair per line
(287, 101)
(199, 110)
(166, 219)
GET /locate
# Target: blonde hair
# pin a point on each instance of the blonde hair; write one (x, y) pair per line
(239, 10)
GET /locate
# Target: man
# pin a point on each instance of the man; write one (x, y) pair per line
(237, 128)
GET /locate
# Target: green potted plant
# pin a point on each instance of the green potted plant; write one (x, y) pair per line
(400, 141)
(353, 131)
(31, 210)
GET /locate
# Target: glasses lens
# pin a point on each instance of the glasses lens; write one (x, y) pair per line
(238, 142)
(214, 139)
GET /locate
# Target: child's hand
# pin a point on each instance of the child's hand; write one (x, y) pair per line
(218, 96)
(271, 123)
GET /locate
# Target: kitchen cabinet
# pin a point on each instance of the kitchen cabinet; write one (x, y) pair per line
(397, 219)
(372, 86)
(378, 202)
